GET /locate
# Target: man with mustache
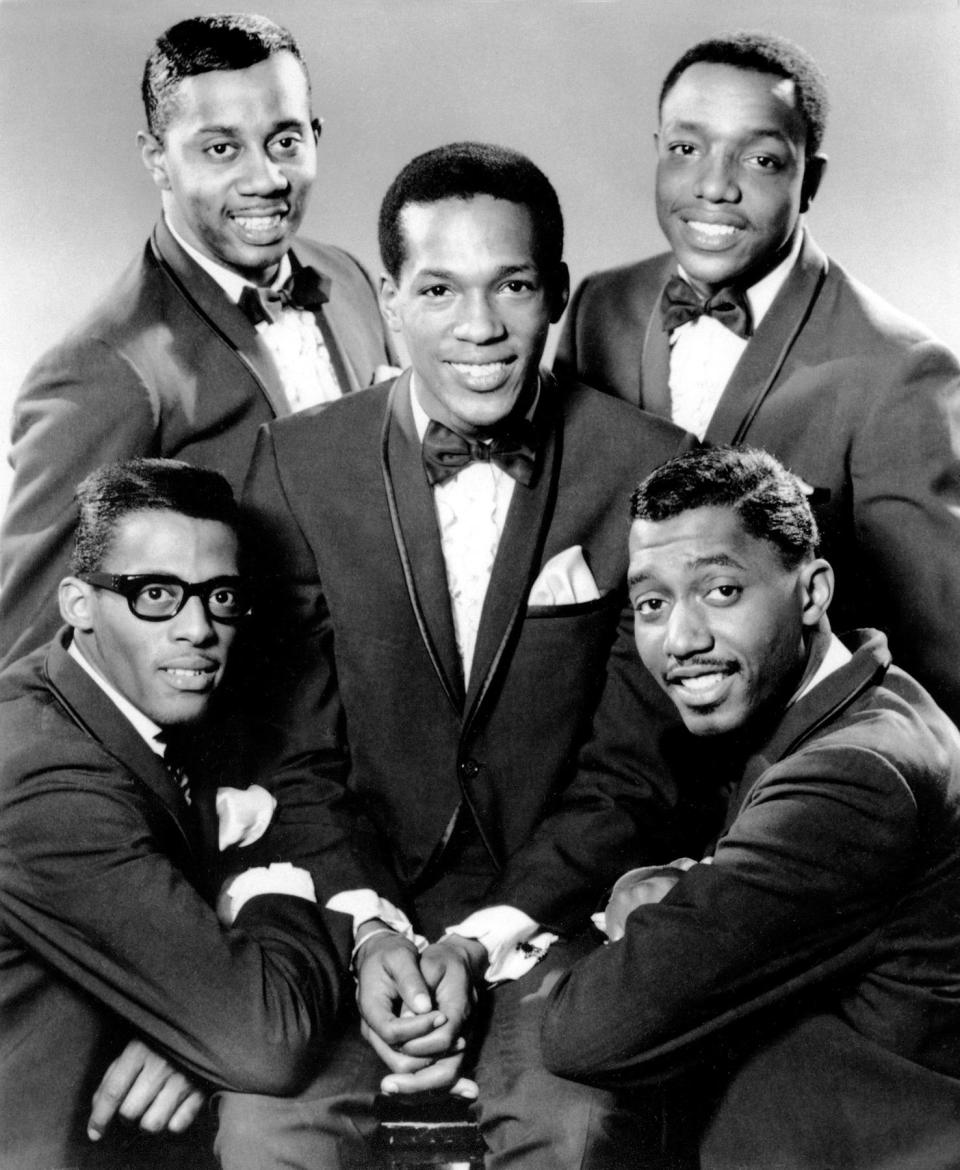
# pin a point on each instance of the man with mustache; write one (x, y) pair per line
(226, 320)
(792, 993)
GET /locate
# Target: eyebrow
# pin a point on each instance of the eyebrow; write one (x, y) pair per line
(750, 136)
(235, 131)
(446, 274)
(712, 560)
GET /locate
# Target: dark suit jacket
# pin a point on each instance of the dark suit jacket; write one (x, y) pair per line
(369, 659)
(821, 947)
(851, 395)
(164, 366)
(104, 933)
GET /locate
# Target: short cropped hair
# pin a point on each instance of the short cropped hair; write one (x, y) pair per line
(765, 53)
(769, 500)
(205, 44)
(463, 170)
(112, 492)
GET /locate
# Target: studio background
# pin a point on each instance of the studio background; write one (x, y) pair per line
(572, 83)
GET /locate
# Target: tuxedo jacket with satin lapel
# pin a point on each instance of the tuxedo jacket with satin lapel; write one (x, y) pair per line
(105, 932)
(166, 366)
(369, 660)
(851, 395)
(809, 975)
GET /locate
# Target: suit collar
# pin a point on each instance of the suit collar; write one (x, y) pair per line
(763, 359)
(414, 520)
(520, 551)
(89, 707)
(818, 707)
(412, 514)
(209, 300)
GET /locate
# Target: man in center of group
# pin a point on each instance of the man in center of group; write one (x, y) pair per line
(459, 581)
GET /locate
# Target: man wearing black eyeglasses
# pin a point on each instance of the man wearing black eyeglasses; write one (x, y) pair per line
(112, 855)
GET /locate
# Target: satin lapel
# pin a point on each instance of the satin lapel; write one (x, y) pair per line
(221, 315)
(762, 360)
(520, 551)
(414, 520)
(655, 367)
(90, 709)
(346, 374)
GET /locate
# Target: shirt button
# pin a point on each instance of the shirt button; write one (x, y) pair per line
(469, 770)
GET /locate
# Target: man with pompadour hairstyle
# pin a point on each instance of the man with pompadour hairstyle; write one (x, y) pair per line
(225, 321)
(791, 990)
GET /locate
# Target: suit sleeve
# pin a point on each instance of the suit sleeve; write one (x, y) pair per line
(104, 906)
(905, 468)
(291, 689)
(798, 888)
(622, 808)
(81, 406)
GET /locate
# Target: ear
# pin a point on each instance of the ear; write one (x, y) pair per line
(816, 583)
(558, 293)
(76, 603)
(154, 158)
(316, 125)
(388, 303)
(813, 173)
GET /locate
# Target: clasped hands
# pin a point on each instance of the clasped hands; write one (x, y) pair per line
(415, 1008)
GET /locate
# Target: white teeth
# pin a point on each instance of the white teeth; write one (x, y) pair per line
(481, 375)
(700, 682)
(716, 231)
(258, 223)
(182, 672)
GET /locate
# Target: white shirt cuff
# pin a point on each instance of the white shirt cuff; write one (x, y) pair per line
(514, 942)
(279, 878)
(362, 905)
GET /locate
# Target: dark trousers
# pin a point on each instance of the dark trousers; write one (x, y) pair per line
(529, 1118)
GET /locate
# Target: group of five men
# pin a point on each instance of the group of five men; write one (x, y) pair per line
(468, 708)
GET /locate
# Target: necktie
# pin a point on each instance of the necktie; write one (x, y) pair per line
(305, 288)
(445, 452)
(681, 303)
(173, 762)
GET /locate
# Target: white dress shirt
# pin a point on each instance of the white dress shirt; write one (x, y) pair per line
(294, 340)
(704, 353)
(471, 509)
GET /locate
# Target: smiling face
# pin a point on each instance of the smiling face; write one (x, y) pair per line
(169, 669)
(719, 621)
(473, 305)
(732, 173)
(237, 161)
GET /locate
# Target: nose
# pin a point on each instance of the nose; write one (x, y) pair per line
(262, 175)
(716, 180)
(478, 320)
(687, 632)
(193, 624)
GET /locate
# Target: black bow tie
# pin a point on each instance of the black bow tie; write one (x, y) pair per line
(681, 303)
(305, 288)
(446, 452)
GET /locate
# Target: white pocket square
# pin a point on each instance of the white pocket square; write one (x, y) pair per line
(243, 814)
(564, 580)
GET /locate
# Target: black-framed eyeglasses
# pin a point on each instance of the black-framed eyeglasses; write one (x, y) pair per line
(158, 597)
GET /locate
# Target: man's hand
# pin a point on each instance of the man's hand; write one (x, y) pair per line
(639, 887)
(414, 1009)
(142, 1086)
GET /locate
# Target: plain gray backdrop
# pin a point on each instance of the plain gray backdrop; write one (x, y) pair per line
(572, 83)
